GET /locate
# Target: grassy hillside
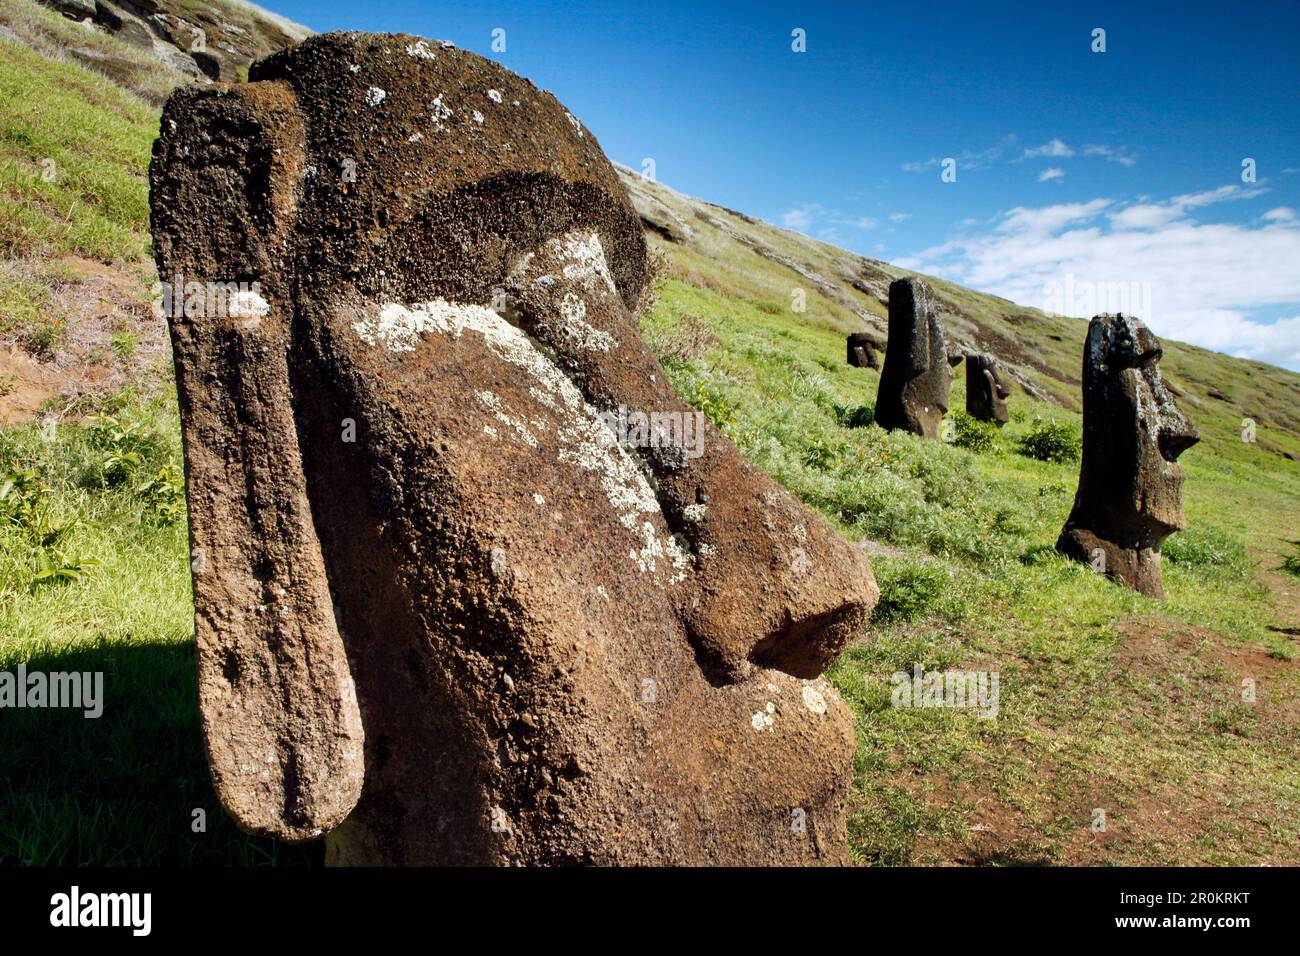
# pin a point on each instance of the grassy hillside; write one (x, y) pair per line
(1109, 701)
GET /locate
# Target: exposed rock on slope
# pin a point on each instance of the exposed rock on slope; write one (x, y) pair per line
(216, 40)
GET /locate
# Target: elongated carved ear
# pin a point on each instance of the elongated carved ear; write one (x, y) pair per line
(279, 707)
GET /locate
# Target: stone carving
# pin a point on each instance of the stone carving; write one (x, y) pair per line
(476, 585)
(1130, 484)
(913, 393)
(987, 390)
(862, 350)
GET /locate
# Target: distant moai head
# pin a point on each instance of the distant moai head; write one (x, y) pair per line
(914, 384)
(1130, 483)
(987, 390)
(479, 587)
(864, 350)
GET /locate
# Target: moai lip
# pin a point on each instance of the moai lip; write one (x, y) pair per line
(987, 389)
(1130, 483)
(457, 605)
(913, 392)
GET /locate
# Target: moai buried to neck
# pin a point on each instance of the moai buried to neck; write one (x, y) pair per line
(1130, 483)
(483, 631)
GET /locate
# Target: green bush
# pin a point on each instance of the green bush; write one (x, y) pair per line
(1292, 563)
(1049, 440)
(969, 432)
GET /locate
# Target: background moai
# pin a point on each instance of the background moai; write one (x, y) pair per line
(1130, 484)
(446, 617)
(913, 392)
(864, 350)
(987, 390)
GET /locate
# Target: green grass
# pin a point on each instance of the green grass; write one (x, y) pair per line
(977, 585)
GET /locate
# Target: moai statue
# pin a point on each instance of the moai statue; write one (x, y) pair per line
(913, 393)
(863, 349)
(1130, 483)
(987, 390)
(452, 611)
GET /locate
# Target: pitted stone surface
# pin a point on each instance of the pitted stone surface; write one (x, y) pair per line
(434, 642)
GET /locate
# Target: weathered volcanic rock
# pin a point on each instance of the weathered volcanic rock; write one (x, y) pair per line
(913, 393)
(987, 390)
(1130, 483)
(448, 609)
(863, 349)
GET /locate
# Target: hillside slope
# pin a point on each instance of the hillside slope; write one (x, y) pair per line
(846, 292)
(1109, 702)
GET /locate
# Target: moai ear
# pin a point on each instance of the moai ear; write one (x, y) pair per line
(279, 707)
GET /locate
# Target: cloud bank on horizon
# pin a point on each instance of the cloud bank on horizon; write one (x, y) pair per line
(1233, 287)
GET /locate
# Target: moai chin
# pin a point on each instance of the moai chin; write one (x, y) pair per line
(1130, 483)
(913, 393)
(864, 349)
(987, 390)
(449, 613)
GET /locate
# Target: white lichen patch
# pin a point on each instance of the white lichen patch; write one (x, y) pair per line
(440, 111)
(538, 499)
(375, 96)
(694, 513)
(420, 50)
(416, 137)
(583, 440)
(478, 117)
(355, 68)
(247, 305)
(576, 329)
(799, 561)
(493, 404)
(489, 431)
(573, 121)
(583, 259)
(813, 699)
(764, 719)
(498, 561)
(494, 96)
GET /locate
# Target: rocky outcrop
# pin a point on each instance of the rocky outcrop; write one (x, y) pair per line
(1130, 484)
(913, 393)
(212, 41)
(477, 587)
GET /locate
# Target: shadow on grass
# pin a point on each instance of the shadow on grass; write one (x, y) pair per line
(120, 789)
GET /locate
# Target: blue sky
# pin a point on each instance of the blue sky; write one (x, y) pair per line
(1085, 181)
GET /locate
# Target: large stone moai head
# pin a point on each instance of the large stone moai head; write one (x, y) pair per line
(987, 389)
(1130, 483)
(913, 393)
(473, 585)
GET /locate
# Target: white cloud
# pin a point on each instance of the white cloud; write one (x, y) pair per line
(801, 217)
(1052, 172)
(859, 222)
(1280, 214)
(1191, 281)
(899, 216)
(1053, 148)
(1120, 155)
